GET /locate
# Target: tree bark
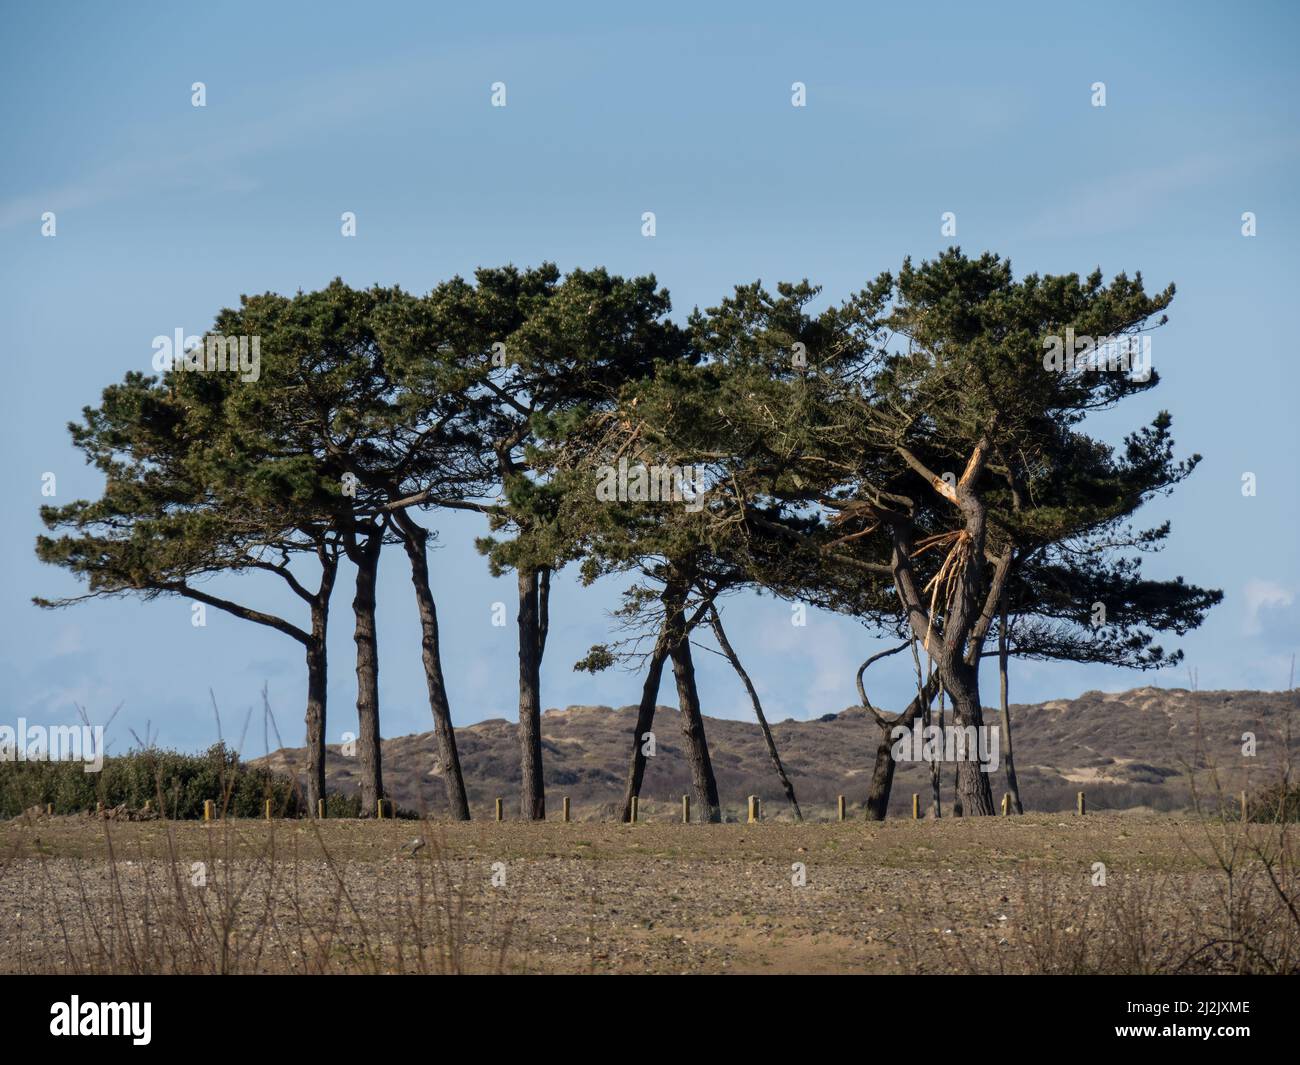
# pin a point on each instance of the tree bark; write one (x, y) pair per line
(317, 677)
(532, 799)
(674, 628)
(936, 767)
(956, 801)
(369, 757)
(882, 776)
(1003, 689)
(716, 621)
(415, 540)
(973, 788)
(936, 779)
(645, 717)
(697, 745)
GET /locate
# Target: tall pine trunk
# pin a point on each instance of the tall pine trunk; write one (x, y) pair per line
(532, 799)
(369, 757)
(317, 676)
(318, 680)
(973, 791)
(936, 766)
(697, 745)
(415, 540)
(1003, 691)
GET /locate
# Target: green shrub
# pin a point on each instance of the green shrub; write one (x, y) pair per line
(175, 782)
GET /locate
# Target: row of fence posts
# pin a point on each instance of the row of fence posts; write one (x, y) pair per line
(385, 810)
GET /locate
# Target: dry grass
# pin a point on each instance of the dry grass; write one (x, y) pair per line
(972, 895)
(237, 897)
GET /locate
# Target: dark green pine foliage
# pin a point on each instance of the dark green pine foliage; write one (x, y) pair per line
(919, 460)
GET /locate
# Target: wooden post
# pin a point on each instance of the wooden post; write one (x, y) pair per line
(840, 804)
(916, 807)
(686, 809)
(635, 803)
(1006, 804)
(1245, 808)
(148, 805)
(1082, 805)
(268, 809)
(49, 809)
(99, 808)
(753, 809)
(566, 808)
(500, 811)
(209, 809)
(320, 809)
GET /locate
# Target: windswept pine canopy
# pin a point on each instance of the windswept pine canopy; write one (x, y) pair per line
(915, 456)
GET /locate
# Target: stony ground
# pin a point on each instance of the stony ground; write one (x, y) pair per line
(899, 896)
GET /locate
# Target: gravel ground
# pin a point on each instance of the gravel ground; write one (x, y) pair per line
(901, 896)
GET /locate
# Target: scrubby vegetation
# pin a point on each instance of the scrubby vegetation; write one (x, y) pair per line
(157, 781)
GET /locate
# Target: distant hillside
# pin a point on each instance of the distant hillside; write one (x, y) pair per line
(1128, 749)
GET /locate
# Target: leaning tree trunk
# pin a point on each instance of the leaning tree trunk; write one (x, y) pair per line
(1012, 785)
(415, 541)
(716, 621)
(645, 717)
(697, 745)
(882, 776)
(369, 757)
(532, 799)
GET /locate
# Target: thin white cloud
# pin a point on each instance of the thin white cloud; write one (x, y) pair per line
(1260, 595)
(1111, 200)
(819, 654)
(210, 161)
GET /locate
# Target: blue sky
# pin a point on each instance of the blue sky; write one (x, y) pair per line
(167, 212)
